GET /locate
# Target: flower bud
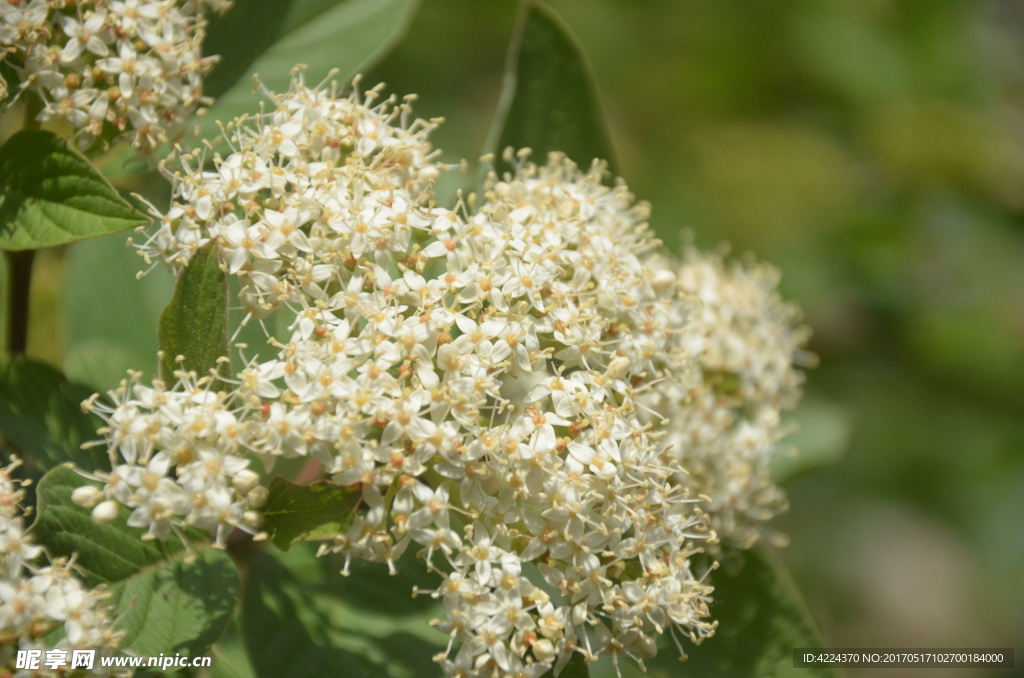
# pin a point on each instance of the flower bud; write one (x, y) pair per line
(662, 280)
(543, 650)
(106, 512)
(253, 519)
(257, 496)
(86, 496)
(245, 480)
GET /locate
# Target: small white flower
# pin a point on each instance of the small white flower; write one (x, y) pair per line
(83, 36)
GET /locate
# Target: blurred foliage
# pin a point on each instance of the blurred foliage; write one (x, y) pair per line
(874, 150)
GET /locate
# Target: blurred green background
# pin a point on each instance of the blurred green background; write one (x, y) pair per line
(874, 151)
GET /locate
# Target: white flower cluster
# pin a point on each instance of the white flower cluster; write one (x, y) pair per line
(503, 385)
(36, 599)
(109, 67)
(724, 423)
(190, 429)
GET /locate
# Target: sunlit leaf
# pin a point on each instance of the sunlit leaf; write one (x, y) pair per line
(51, 195)
(549, 100)
(167, 600)
(195, 322)
(181, 605)
(106, 553)
(308, 512)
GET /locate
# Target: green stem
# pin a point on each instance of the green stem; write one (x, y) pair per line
(19, 277)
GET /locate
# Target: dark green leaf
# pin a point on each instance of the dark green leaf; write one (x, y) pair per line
(308, 512)
(10, 79)
(297, 621)
(371, 587)
(239, 37)
(51, 195)
(761, 616)
(323, 34)
(195, 323)
(549, 101)
(170, 601)
(41, 414)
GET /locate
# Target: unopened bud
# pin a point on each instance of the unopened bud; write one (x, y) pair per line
(253, 519)
(663, 280)
(86, 496)
(257, 496)
(543, 650)
(245, 480)
(106, 512)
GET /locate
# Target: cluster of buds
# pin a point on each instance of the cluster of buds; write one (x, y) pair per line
(37, 599)
(502, 383)
(109, 67)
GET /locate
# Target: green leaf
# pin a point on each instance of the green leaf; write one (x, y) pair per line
(308, 512)
(106, 553)
(323, 34)
(10, 79)
(41, 414)
(549, 100)
(761, 616)
(181, 605)
(168, 601)
(239, 37)
(229, 657)
(299, 619)
(51, 195)
(195, 323)
(821, 440)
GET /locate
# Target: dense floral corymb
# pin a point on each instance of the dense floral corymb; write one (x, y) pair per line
(36, 599)
(519, 390)
(725, 423)
(108, 67)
